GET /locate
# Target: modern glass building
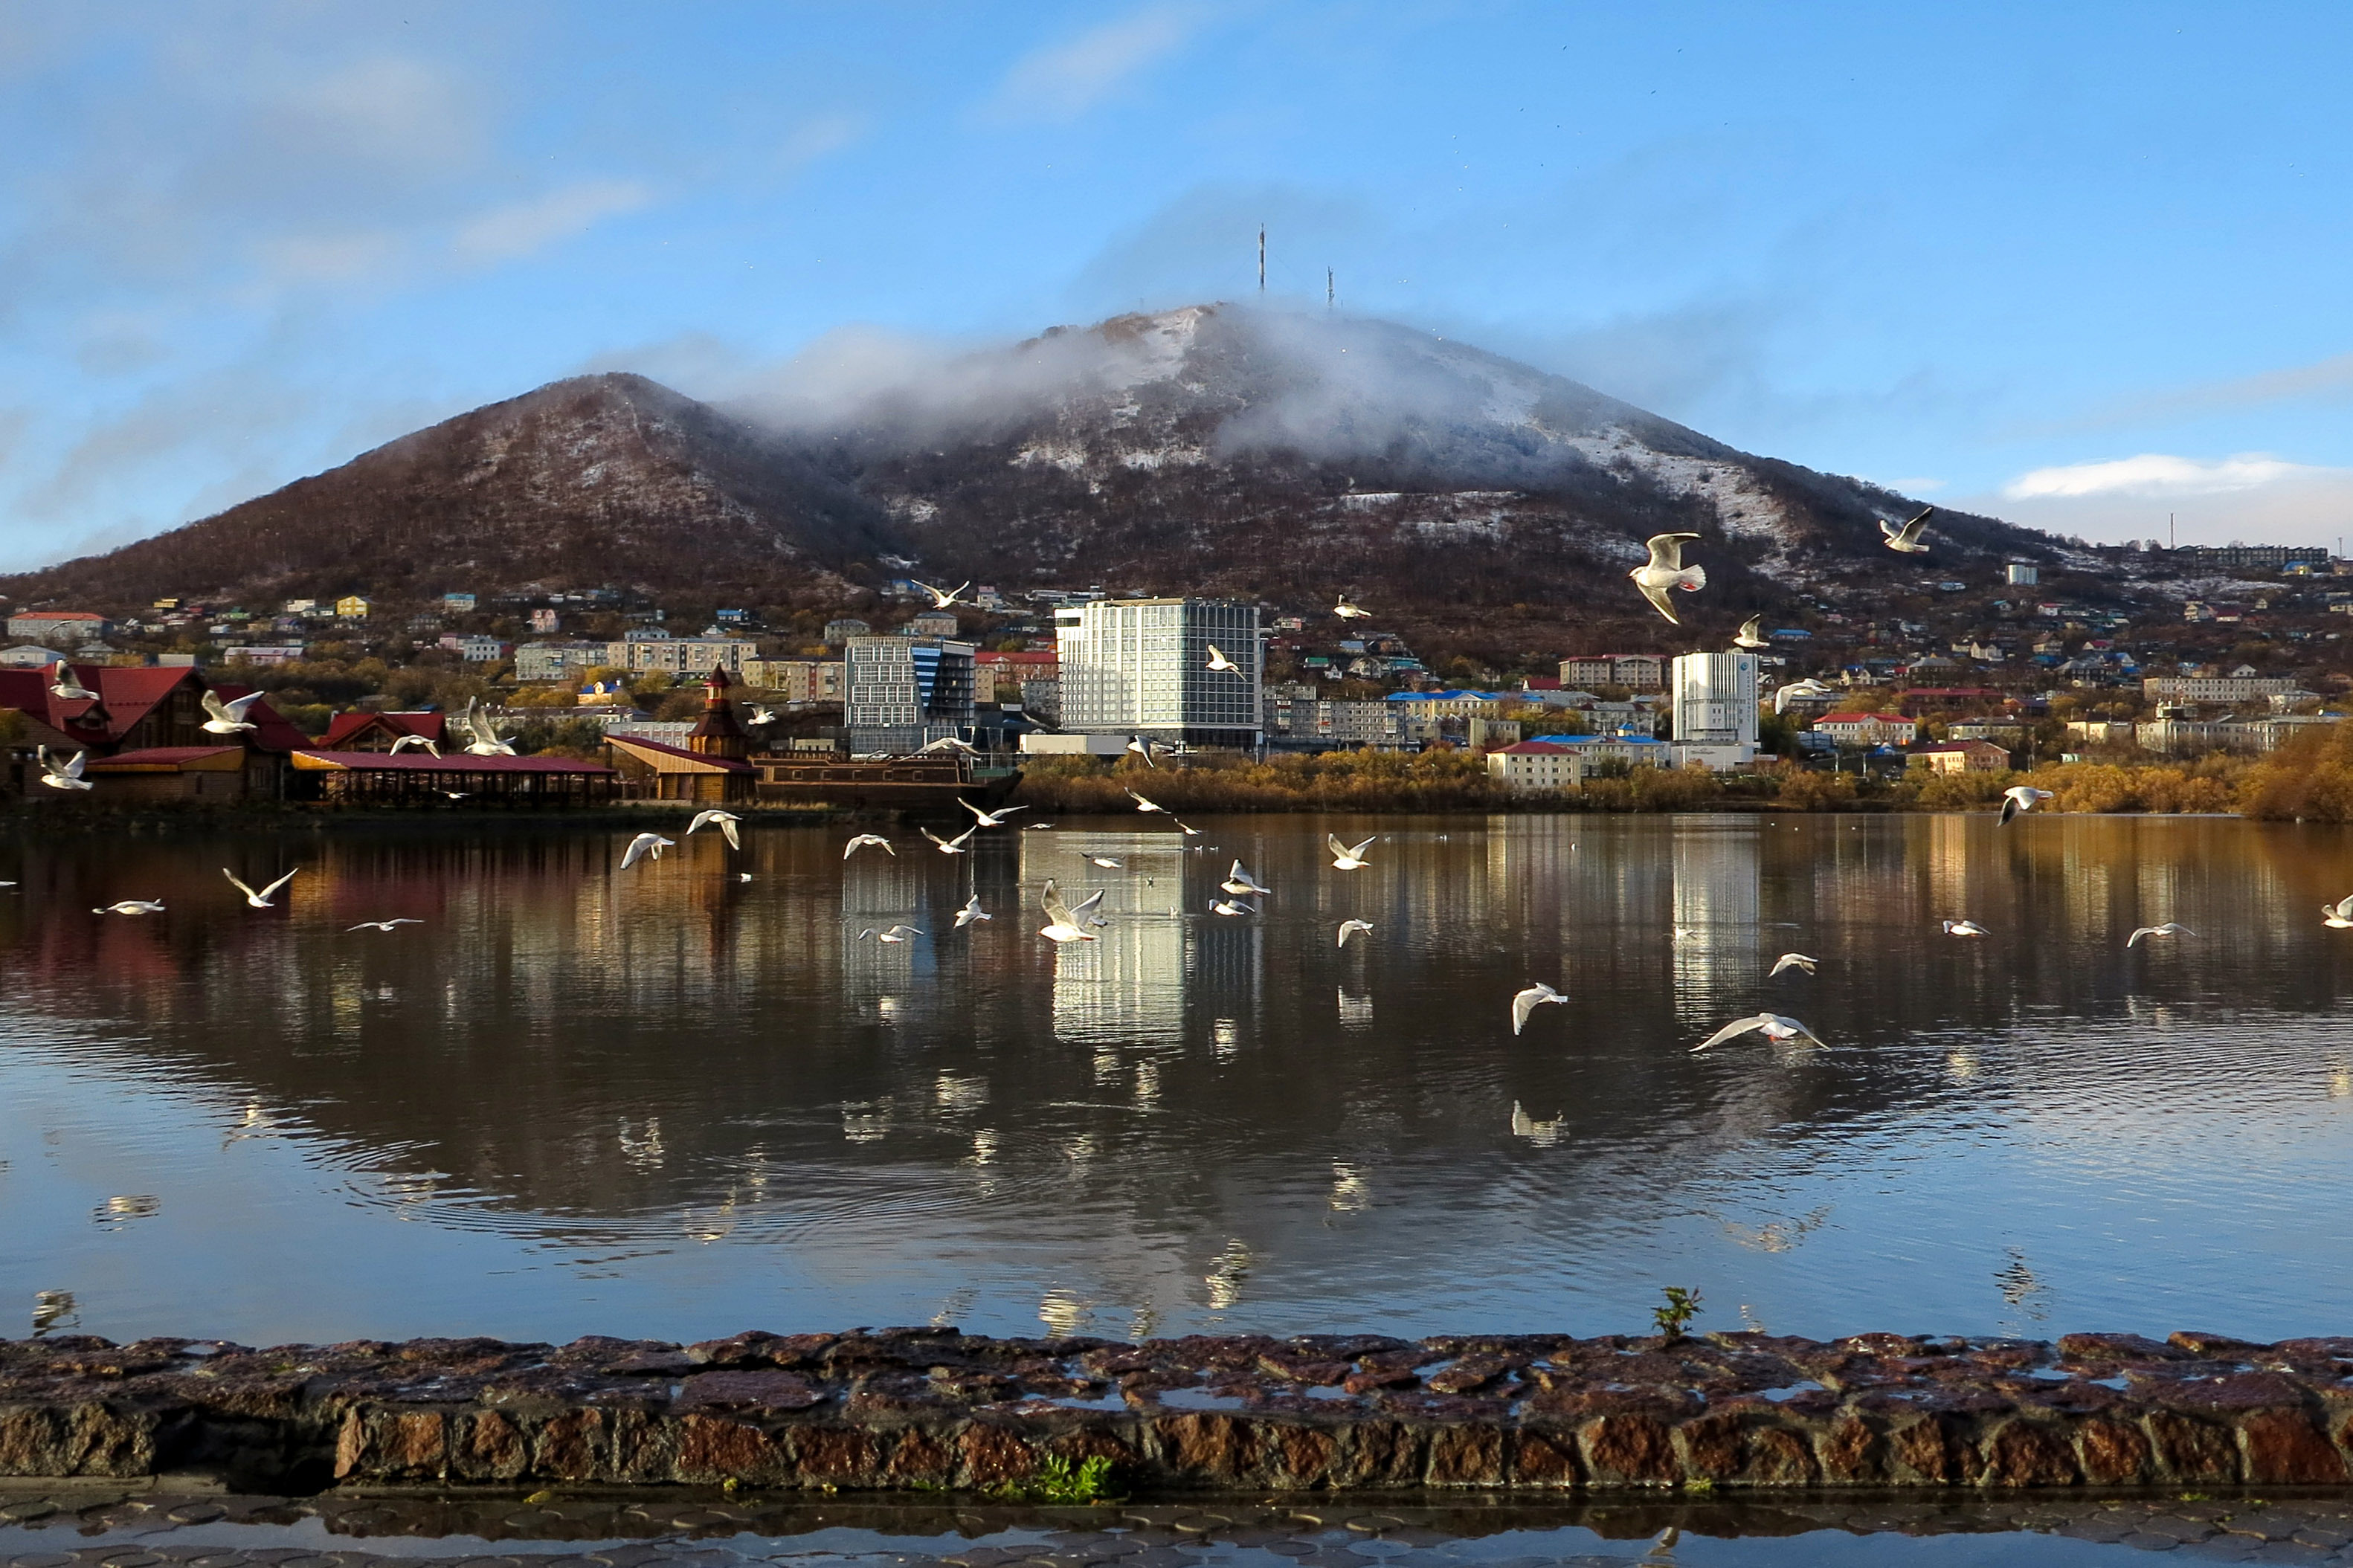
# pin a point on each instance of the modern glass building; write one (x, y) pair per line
(902, 693)
(1141, 667)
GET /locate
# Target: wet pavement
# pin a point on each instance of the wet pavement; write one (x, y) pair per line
(86, 1527)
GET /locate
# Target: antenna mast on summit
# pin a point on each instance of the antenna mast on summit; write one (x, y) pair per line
(1262, 258)
(1328, 291)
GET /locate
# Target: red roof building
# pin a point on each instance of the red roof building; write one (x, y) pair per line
(357, 732)
(136, 708)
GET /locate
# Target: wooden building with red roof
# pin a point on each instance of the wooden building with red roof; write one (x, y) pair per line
(143, 709)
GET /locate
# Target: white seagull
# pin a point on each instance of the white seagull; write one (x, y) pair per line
(762, 716)
(1347, 858)
(1528, 1001)
(1221, 663)
(2022, 798)
(951, 845)
(948, 743)
(1060, 925)
(1906, 539)
(2170, 928)
(890, 933)
(1348, 612)
(971, 911)
(1665, 570)
(995, 819)
(1965, 928)
(133, 907)
(2339, 914)
(260, 901)
(1188, 831)
(384, 925)
(227, 718)
(1144, 804)
(862, 840)
(644, 845)
(1751, 634)
(1034, 826)
(1107, 862)
(943, 598)
(1232, 907)
(1793, 961)
(722, 820)
(1774, 1027)
(422, 742)
(66, 774)
(1351, 928)
(1142, 746)
(487, 742)
(1239, 881)
(66, 688)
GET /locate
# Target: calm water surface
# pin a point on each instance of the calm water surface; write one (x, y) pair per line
(671, 1103)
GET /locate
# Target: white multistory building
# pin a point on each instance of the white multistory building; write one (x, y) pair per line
(900, 694)
(1141, 667)
(1714, 708)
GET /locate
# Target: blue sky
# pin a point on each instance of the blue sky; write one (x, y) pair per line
(2084, 266)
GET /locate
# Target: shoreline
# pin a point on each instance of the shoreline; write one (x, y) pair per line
(928, 1410)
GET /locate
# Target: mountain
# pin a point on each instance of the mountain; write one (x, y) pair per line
(1213, 448)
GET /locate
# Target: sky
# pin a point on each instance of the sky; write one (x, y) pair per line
(2082, 266)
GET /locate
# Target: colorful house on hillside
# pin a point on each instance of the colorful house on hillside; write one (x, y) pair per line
(351, 607)
(1866, 729)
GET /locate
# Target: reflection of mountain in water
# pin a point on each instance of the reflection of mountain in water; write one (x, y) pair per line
(567, 1049)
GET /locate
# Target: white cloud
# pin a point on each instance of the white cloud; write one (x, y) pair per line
(1064, 80)
(518, 228)
(2156, 475)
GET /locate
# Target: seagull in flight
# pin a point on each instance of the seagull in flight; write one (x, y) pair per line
(1221, 663)
(996, 818)
(863, 839)
(1107, 862)
(762, 716)
(1751, 634)
(1772, 1025)
(2021, 798)
(1142, 746)
(1965, 928)
(1182, 827)
(971, 911)
(384, 925)
(1232, 907)
(644, 845)
(1345, 859)
(1353, 928)
(951, 845)
(943, 598)
(487, 742)
(2338, 915)
(1793, 961)
(1144, 804)
(260, 901)
(422, 742)
(890, 933)
(66, 688)
(1239, 881)
(1034, 826)
(948, 743)
(66, 774)
(227, 718)
(133, 907)
(725, 821)
(1665, 570)
(1906, 539)
(1528, 1001)
(1349, 612)
(2170, 928)
(1062, 925)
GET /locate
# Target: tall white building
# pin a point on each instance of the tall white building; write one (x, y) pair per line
(1715, 708)
(902, 693)
(1141, 667)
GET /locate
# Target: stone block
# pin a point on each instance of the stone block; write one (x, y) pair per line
(2189, 1449)
(2112, 1452)
(1468, 1455)
(2287, 1447)
(2029, 1454)
(1631, 1450)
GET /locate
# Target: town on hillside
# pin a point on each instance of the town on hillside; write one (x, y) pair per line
(905, 692)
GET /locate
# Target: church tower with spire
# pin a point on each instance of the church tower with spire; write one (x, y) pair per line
(720, 733)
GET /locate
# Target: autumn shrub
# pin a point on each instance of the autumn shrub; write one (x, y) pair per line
(2310, 778)
(1805, 789)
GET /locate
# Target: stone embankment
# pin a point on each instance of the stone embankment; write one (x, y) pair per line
(924, 1408)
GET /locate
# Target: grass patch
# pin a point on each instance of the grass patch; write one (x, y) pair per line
(1058, 1479)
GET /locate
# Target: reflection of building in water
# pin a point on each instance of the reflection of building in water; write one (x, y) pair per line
(1948, 865)
(1127, 986)
(894, 983)
(1717, 870)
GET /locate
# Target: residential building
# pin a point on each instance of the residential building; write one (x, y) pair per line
(1960, 757)
(1716, 705)
(1621, 746)
(2246, 557)
(2020, 575)
(1532, 767)
(1006, 673)
(932, 623)
(842, 630)
(900, 694)
(643, 651)
(263, 653)
(351, 607)
(806, 680)
(543, 620)
(30, 656)
(2214, 688)
(1634, 671)
(1141, 667)
(64, 628)
(2101, 731)
(1864, 729)
(474, 650)
(566, 661)
(458, 603)
(1455, 704)
(1310, 721)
